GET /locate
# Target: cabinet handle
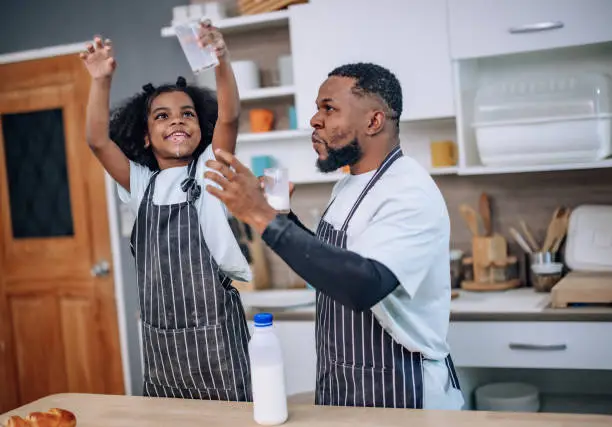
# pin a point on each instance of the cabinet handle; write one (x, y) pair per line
(538, 347)
(534, 28)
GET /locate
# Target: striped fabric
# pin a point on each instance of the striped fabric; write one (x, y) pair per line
(195, 335)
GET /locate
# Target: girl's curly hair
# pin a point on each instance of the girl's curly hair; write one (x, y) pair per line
(128, 122)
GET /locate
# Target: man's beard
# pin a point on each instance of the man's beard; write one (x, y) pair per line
(337, 158)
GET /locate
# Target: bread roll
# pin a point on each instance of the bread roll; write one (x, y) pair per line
(52, 418)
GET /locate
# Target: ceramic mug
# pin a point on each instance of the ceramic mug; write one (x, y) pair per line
(443, 154)
(261, 120)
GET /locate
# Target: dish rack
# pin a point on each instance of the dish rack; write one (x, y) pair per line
(544, 118)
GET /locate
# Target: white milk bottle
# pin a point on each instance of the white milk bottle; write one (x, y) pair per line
(267, 373)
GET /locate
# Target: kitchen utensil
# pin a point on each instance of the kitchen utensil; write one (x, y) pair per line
(470, 217)
(546, 276)
(246, 74)
(589, 239)
(507, 397)
(529, 236)
(484, 207)
(200, 59)
(543, 118)
(556, 228)
(518, 238)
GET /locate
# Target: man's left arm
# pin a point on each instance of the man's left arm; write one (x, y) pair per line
(395, 248)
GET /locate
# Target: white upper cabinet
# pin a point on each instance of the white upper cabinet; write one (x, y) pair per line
(409, 37)
(480, 28)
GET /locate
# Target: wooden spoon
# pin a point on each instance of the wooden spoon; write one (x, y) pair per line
(484, 206)
(529, 235)
(556, 228)
(470, 217)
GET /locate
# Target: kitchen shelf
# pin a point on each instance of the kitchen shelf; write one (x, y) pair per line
(276, 135)
(267, 93)
(244, 23)
(491, 170)
(444, 171)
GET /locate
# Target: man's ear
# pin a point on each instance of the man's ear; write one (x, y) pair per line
(376, 123)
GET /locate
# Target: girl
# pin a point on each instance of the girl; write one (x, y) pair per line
(155, 146)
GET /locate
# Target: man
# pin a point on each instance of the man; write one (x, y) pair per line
(380, 256)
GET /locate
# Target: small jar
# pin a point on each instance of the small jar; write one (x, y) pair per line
(546, 276)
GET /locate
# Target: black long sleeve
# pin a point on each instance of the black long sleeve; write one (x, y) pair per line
(356, 282)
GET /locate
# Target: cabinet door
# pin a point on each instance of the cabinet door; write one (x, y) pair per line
(481, 28)
(408, 37)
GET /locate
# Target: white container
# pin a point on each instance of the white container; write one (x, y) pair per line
(507, 397)
(247, 75)
(543, 119)
(589, 239)
(285, 70)
(267, 373)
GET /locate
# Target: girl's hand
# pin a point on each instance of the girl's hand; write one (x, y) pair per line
(211, 36)
(98, 59)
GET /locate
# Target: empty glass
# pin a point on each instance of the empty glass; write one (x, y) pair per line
(200, 59)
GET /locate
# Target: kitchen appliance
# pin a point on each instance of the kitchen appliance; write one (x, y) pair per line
(544, 118)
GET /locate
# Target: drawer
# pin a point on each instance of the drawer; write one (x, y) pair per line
(560, 345)
(481, 28)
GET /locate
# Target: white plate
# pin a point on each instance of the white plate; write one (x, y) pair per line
(278, 298)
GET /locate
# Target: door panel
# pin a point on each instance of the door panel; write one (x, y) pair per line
(61, 332)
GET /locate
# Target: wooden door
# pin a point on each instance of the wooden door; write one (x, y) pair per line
(58, 320)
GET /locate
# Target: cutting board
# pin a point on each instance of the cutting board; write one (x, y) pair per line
(582, 288)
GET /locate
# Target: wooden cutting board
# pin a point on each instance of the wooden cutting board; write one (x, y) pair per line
(582, 288)
(127, 411)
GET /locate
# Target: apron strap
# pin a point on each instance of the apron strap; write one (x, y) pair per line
(391, 157)
(395, 154)
(150, 190)
(190, 185)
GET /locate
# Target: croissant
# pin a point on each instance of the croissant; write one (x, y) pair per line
(54, 417)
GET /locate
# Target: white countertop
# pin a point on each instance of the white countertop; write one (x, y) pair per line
(514, 304)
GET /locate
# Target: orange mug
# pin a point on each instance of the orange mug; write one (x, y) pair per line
(443, 154)
(261, 120)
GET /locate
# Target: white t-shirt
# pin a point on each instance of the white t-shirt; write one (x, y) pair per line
(403, 223)
(212, 213)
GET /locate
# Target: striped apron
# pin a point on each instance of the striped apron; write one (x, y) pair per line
(195, 336)
(358, 362)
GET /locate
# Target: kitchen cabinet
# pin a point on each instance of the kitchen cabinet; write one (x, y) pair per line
(408, 37)
(297, 340)
(546, 345)
(480, 28)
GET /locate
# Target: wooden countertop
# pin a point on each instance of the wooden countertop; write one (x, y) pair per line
(124, 411)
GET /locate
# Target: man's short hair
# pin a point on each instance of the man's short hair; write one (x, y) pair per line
(374, 80)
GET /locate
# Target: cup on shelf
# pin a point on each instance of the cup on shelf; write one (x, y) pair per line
(260, 163)
(443, 154)
(261, 119)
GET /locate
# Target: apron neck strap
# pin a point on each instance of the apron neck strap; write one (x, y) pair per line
(395, 154)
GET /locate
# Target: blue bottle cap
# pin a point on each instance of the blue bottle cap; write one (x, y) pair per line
(263, 319)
